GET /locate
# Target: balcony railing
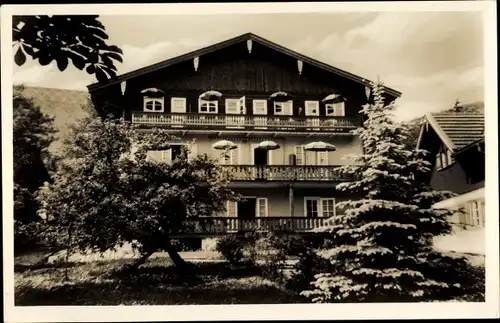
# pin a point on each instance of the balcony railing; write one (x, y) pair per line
(224, 224)
(282, 173)
(248, 122)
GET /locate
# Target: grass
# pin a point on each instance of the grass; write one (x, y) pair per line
(155, 283)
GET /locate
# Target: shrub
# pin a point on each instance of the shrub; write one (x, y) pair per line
(309, 265)
(231, 248)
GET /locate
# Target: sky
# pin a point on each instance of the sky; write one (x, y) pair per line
(433, 58)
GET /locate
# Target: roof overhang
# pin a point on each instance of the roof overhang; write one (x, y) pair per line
(429, 119)
(233, 41)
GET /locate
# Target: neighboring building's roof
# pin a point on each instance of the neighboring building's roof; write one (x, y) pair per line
(460, 126)
(233, 41)
(64, 105)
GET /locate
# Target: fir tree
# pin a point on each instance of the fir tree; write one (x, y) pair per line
(384, 240)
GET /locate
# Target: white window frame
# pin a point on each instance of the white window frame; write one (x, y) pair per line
(172, 105)
(257, 207)
(316, 108)
(335, 106)
(201, 102)
(255, 107)
(284, 108)
(475, 213)
(148, 99)
(319, 205)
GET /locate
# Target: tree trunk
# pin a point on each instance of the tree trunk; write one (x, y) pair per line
(141, 260)
(174, 255)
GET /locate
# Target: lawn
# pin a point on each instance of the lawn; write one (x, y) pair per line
(155, 283)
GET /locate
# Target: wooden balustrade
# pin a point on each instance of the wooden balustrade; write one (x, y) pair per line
(282, 173)
(221, 224)
(249, 122)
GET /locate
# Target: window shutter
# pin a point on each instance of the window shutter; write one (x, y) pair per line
(339, 109)
(178, 105)
(241, 106)
(299, 154)
(231, 209)
(165, 156)
(193, 151)
(262, 210)
(312, 108)
(259, 107)
(322, 158)
(288, 108)
(235, 154)
(232, 106)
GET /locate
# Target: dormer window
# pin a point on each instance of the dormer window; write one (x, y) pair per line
(153, 104)
(335, 109)
(153, 100)
(205, 106)
(444, 159)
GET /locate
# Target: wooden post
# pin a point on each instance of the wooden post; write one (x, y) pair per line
(290, 199)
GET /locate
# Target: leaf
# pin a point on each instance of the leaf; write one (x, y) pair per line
(78, 61)
(19, 57)
(28, 49)
(114, 48)
(100, 75)
(62, 63)
(44, 59)
(90, 69)
(114, 55)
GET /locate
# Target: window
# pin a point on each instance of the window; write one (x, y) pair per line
(261, 207)
(231, 209)
(205, 106)
(153, 104)
(178, 105)
(235, 106)
(335, 109)
(176, 151)
(230, 157)
(299, 155)
(319, 207)
(475, 213)
(283, 108)
(260, 107)
(444, 159)
(312, 108)
(311, 210)
(327, 207)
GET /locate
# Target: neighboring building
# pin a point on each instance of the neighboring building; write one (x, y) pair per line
(455, 140)
(288, 186)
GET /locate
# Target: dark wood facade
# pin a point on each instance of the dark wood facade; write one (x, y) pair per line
(235, 72)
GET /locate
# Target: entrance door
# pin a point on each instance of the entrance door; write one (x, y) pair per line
(246, 213)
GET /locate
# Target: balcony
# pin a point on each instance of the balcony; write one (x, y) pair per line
(222, 224)
(246, 122)
(282, 173)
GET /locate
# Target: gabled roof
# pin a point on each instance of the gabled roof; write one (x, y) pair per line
(458, 128)
(233, 41)
(64, 105)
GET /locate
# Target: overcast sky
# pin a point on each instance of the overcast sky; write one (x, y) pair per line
(433, 58)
